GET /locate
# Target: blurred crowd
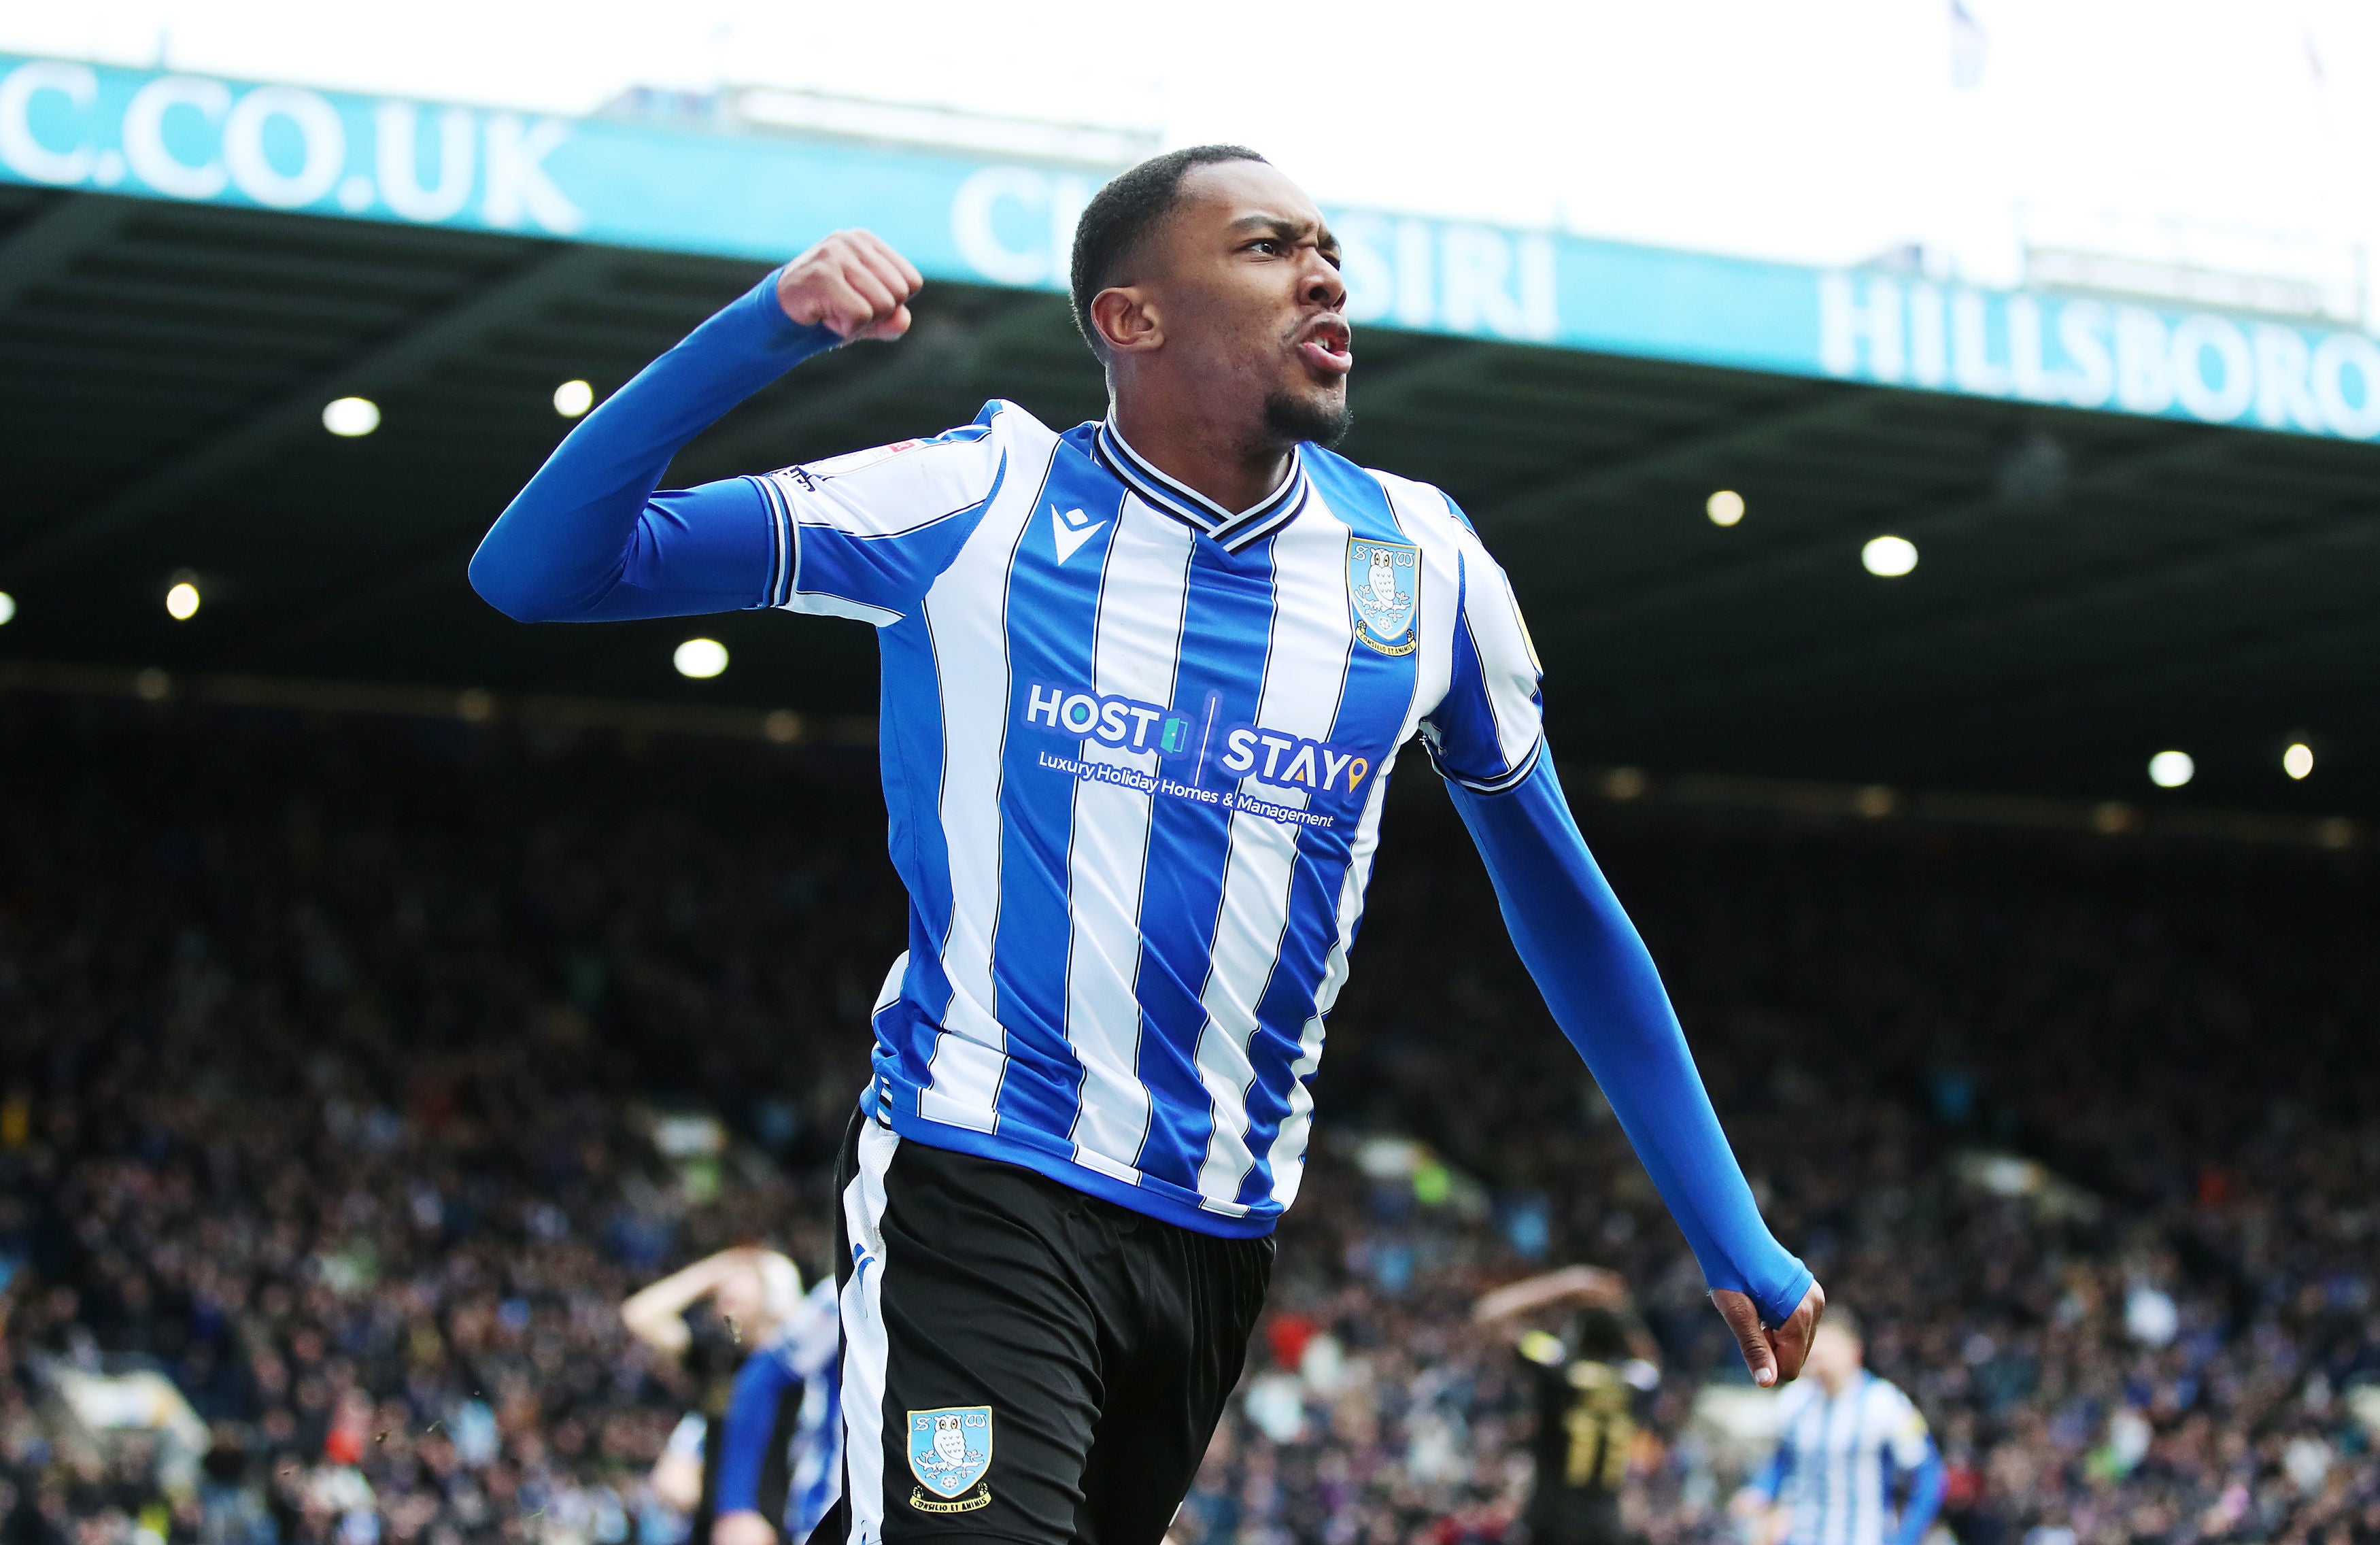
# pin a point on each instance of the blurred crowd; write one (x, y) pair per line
(352, 1073)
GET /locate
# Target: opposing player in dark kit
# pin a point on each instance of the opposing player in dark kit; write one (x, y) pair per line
(1589, 1380)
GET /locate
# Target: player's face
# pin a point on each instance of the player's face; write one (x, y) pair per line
(741, 1298)
(1251, 296)
(1834, 1354)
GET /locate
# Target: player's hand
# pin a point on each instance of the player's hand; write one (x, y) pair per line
(1774, 1356)
(853, 284)
(741, 1527)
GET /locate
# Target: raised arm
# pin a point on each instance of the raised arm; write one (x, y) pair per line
(589, 540)
(1572, 1284)
(656, 1314)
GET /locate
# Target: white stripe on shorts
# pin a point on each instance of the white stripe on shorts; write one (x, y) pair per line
(863, 1342)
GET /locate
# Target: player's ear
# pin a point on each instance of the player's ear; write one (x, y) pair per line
(1127, 320)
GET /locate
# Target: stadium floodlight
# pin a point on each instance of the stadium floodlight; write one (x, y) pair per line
(7, 608)
(701, 658)
(1889, 557)
(349, 418)
(1725, 507)
(2172, 769)
(2297, 761)
(182, 601)
(572, 398)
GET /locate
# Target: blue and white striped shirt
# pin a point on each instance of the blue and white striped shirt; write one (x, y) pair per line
(1837, 1457)
(808, 1348)
(1134, 746)
(1135, 749)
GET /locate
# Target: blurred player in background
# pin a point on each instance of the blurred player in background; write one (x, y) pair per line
(757, 1461)
(1844, 1436)
(1588, 1385)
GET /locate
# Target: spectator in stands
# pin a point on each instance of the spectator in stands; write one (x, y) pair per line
(331, 1097)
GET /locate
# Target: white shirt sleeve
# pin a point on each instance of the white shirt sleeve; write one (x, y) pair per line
(1485, 732)
(864, 535)
(1904, 1427)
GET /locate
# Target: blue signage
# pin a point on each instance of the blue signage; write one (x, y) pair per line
(968, 217)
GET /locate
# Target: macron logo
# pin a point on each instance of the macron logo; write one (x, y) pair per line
(1070, 529)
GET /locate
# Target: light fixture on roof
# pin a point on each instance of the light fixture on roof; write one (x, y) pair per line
(7, 608)
(2297, 761)
(2172, 769)
(572, 398)
(349, 418)
(182, 601)
(1725, 507)
(1889, 557)
(701, 658)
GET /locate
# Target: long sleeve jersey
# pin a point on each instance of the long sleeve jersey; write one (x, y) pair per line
(1135, 749)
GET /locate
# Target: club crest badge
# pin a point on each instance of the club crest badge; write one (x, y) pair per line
(950, 1451)
(1384, 592)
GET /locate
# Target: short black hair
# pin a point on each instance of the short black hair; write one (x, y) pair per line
(1123, 214)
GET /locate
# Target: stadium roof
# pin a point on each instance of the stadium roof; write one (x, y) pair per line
(2094, 584)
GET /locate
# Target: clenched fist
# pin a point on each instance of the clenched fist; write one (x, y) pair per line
(1773, 1355)
(853, 284)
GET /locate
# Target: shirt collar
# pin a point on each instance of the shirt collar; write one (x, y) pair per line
(1195, 510)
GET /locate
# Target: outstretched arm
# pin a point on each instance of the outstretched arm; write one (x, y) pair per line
(589, 540)
(1600, 982)
(1572, 1284)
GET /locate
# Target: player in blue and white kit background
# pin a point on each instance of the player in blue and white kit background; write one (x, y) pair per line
(1844, 1438)
(760, 1458)
(796, 1364)
(1143, 684)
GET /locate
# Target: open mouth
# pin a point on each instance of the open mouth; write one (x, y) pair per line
(1328, 345)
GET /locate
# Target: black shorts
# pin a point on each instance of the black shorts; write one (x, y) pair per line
(1021, 1360)
(1576, 1521)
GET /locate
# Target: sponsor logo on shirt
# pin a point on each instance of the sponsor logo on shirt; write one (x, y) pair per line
(1291, 761)
(1126, 724)
(1187, 746)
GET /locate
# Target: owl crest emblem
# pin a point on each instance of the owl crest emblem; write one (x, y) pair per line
(1383, 593)
(949, 1450)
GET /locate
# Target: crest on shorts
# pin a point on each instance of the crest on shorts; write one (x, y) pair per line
(949, 1450)
(1383, 586)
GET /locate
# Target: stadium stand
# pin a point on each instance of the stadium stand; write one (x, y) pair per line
(352, 1071)
(2102, 577)
(386, 990)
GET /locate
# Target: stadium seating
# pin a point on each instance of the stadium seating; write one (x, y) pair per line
(352, 1101)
